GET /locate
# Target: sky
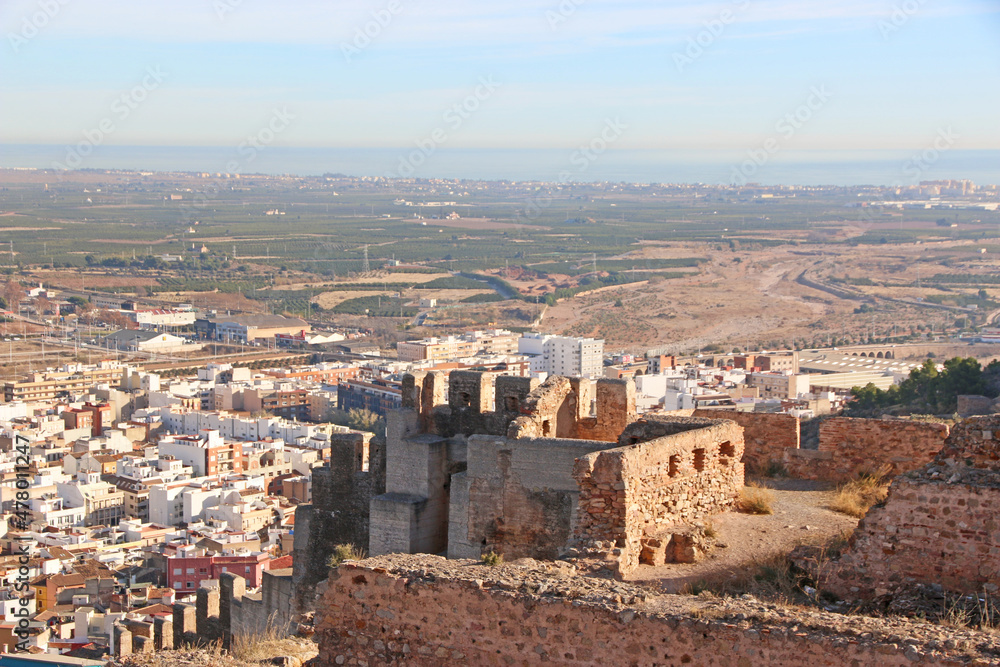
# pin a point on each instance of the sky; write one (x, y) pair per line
(664, 74)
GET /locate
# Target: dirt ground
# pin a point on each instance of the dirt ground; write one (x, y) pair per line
(801, 516)
(334, 298)
(752, 297)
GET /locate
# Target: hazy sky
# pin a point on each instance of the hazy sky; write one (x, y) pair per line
(877, 73)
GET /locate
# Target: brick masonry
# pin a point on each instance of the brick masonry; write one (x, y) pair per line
(766, 436)
(425, 610)
(669, 472)
(849, 446)
(939, 524)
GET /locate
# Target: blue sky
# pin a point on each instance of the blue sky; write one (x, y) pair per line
(894, 72)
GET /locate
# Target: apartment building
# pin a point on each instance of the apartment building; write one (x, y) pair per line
(72, 379)
(329, 374)
(378, 396)
(208, 453)
(186, 572)
(775, 362)
(779, 385)
(562, 355)
(492, 342)
(103, 504)
(291, 404)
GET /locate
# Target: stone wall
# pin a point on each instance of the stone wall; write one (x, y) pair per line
(561, 408)
(929, 531)
(427, 458)
(339, 512)
(424, 610)
(253, 613)
(670, 472)
(974, 443)
(849, 446)
(969, 406)
(766, 436)
(517, 497)
(939, 525)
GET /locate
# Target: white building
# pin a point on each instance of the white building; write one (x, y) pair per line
(562, 355)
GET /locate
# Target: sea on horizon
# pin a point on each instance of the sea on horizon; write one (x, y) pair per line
(716, 167)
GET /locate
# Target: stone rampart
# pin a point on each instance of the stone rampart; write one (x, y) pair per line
(425, 610)
(766, 436)
(270, 608)
(850, 446)
(517, 497)
(669, 472)
(969, 406)
(339, 511)
(939, 525)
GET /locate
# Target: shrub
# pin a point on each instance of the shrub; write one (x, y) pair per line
(343, 552)
(492, 559)
(756, 499)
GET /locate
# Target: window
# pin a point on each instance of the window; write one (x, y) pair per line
(178, 570)
(726, 449)
(190, 584)
(190, 570)
(699, 459)
(178, 585)
(674, 465)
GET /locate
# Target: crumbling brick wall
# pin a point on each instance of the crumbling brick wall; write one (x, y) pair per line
(766, 435)
(849, 446)
(670, 472)
(561, 408)
(426, 611)
(939, 525)
(517, 497)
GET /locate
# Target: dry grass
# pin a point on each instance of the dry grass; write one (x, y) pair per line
(755, 498)
(491, 559)
(857, 496)
(343, 552)
(261, 646)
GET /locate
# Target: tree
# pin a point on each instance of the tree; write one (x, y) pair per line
(928, 390)
(13, 293)
(42, 305)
